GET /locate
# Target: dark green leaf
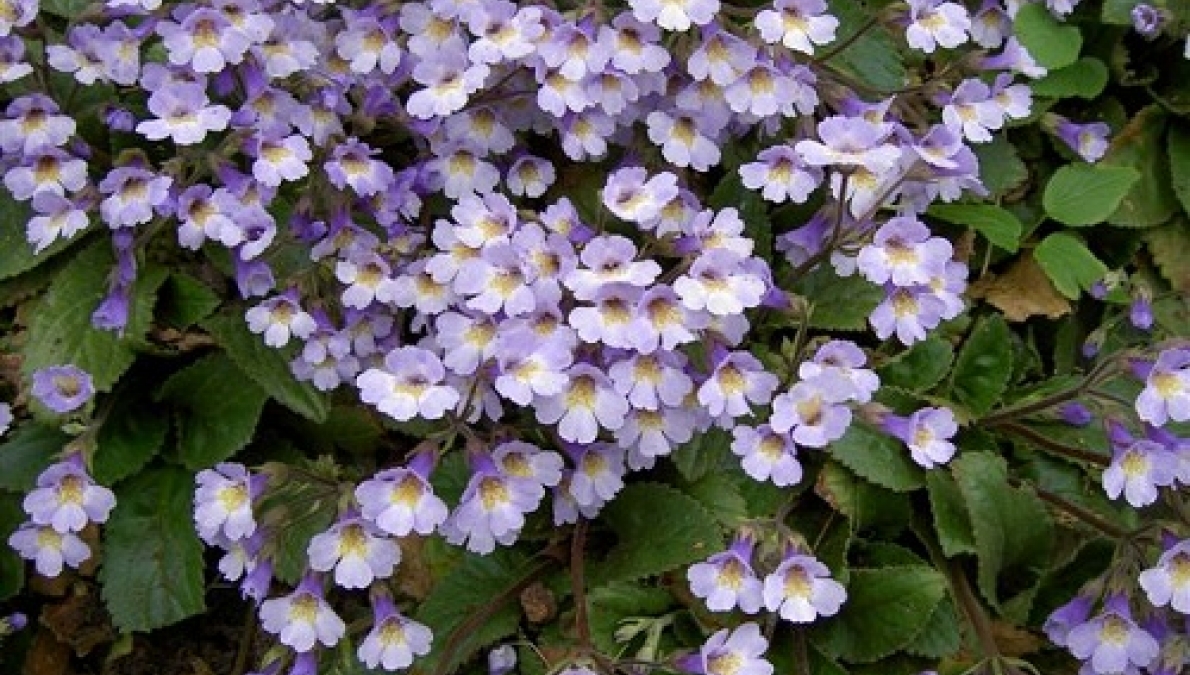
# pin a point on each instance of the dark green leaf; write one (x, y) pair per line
(609, 605)
(868, 506)
(1086, 194)
(873, 58)
(218, 407)
(919, 368)
(185, 301)
(1140, 146)
(940, 636)
(1012, 528)
(152, 571)
(1068, 263)
(350, 428)
(951, 522)
(472, 607)
(838, 303)
(1179, 162)
(720, 493)
(131, 435)
(1000, 168)
(1084, 78)
(267, 366)
(703, 455)
(61, 331)
(885, 610)
(1050, 42)
(981, 372)
(877, 457)
(30, 448)
(305, 509)
(658, 529)
(998, 224)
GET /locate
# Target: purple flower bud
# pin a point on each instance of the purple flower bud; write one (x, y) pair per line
(1140, 314)
(1075, 414)
(62, 389)
(1147, 20)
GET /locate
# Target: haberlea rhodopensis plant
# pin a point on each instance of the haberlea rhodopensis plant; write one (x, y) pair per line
(647, 336)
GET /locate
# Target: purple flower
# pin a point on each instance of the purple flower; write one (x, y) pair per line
(278, 318)
(358, 552)
(303, 618)
(48, 548)
(652, 380)
(731, 652)
(401, 501)
(719, 283)
(630, 197)
(780, 174)
(280, 159)
(12, 59)
(448, 80)
(934, 23)
(685, 139)
(850, 142)
(528, 462)
(726, 579)
(366, 43)
(183, 114)
(801, 589)
(767, 455)
(909, 312)
(588, 402)
(351, 164)
(1168, 582)
(67, 498)
(903, 252)
(394, 640)
(1140, 312)
(492, 509)
(1166, 394)
(1075, 414)
(1058, 625)
(1137, 470)
(598, 476)
(17, 14)
(32, 121)
(800, 25)
(1147, 20)
(133, 193)
(1089, 141)
(838, 366)
(1112, 641)
(202, 39)
(812, 415)
(676, 15)
(738, 380)
(62, 389)
(46, 169)
(223, 502)
(408, 385)
(928, 434)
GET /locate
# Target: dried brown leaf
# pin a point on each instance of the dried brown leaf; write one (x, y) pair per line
(1023, 291)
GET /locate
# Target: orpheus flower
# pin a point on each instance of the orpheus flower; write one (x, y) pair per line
(408, 385)
(1113, 642)
(801, 589)
(67, 498)
(1166, 395)
(356, 550)
(223, 502)
(800, 25)
(731, 652)
(727, 580)
(1168, 582)
(394, 640)
(303, 618)
(401, 501)
(62, 389)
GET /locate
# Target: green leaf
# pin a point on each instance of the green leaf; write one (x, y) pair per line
(919, 368)
(981, 372)
(878, 458)
(839, 303)
(867, 506)
(998, 224)
(218, 408)
(1084, 78)
(12, 567)
(705, 454)
(30, 448)
(1068, 263)
(886, 609)
(185, 301)
(1140, 145)
(18, 253)
(1050, 42)
(60, 331)
(873, 58)
(951, 522)
(1086, 194)
(132, 434)
(1012, 528)
(304, 509)
(940, 636)
(268, 367)
(67, 9)
(1000, 167)
(1179, 162)
(611, 604)
(152, 571)
(472, 608)
(658, 529)
(720, 493)
(350, 428)
(1169, 246)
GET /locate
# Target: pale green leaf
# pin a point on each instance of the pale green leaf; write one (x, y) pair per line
(1050, 42)
(1086, 194)
(1068, 263)
(996, 223)
(1084, 78)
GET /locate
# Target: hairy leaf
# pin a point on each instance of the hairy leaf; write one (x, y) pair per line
(268, 367)
(152, 571)
(867, 505)
(218, 408)
(29, 449)
(886, 609)
(1012, 528)
(981, 372)
(132, 434)
(1140, 145)
(1179, 162)
(998, 224)
(185, 301)
(920, 367)
(952, 524)
(658, 529)
(1169, 247)
(838, 303)
(873, 57)
(612, 604)
(877, 457)
(1069, 263)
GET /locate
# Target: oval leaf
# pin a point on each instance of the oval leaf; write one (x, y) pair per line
(1082, 194)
